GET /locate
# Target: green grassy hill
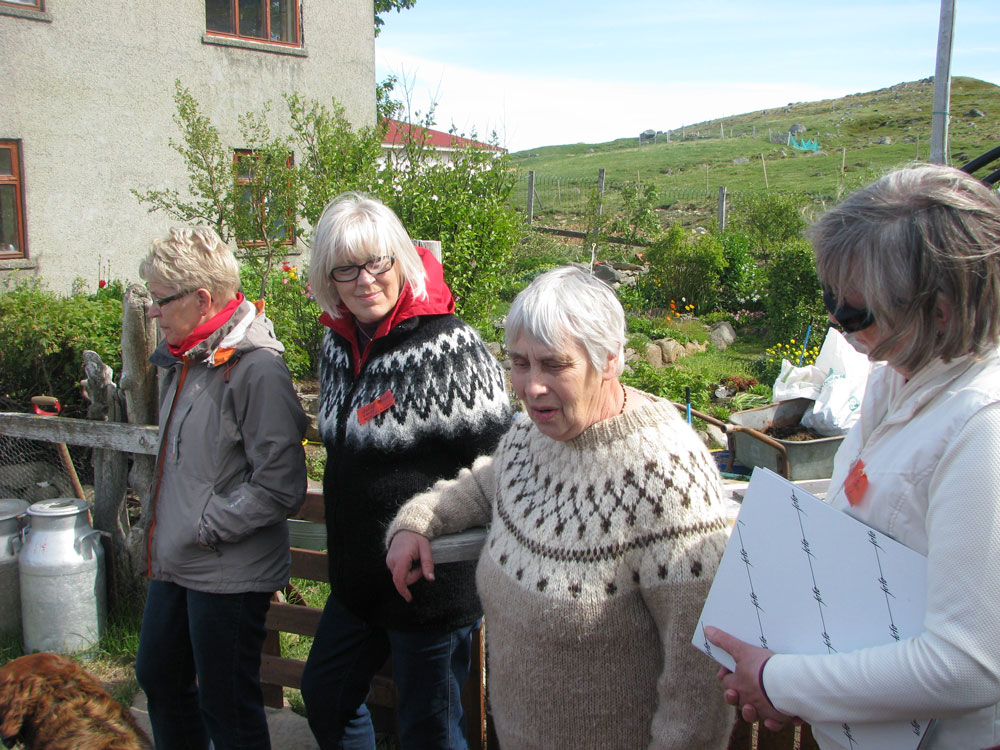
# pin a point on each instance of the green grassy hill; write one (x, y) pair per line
(878, 129)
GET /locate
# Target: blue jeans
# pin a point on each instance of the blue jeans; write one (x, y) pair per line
(429, 670)
(199, 664)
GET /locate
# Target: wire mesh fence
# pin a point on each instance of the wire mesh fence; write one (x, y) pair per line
(33, 470)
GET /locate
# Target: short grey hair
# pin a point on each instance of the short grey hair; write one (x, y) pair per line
(190, 258)
(921, 241)
(568, 304)
(355, 228)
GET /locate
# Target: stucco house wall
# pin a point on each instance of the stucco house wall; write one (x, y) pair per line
(88, 89)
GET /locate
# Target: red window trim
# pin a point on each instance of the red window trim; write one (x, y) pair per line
(243, 153)
(17, 180)
(33, 5)
(297, 15)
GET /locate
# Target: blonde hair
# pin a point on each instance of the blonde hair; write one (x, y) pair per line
(920, 245)
(353, 229)
(190, 258)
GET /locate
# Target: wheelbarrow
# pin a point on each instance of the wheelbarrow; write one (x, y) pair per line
(792, 459)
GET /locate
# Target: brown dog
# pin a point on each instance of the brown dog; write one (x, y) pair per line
(48, 701)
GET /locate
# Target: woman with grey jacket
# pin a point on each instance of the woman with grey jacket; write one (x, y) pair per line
(230, 470)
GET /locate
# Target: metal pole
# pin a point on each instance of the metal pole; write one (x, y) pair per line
(942, 85)
(722, 208)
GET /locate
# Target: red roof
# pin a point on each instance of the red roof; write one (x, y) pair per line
(399, 132)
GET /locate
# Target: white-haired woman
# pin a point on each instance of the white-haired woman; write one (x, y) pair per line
(607, 527)
(911, 271)
(230, 470)
(408, 394)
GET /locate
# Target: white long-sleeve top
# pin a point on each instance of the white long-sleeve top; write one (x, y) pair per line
(931, 451)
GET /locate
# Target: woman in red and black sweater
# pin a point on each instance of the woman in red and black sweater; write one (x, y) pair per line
(409, 394)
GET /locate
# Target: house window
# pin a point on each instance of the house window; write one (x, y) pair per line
(263, 210)
(31, 4)
(12, 243)
(275, 21)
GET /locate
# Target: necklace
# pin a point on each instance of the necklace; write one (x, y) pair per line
(624, 398)
(361, 331)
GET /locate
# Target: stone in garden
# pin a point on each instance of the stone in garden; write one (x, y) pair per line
(975, 113)
(797, 128)
(653, 355)
(496, 348)
(621, 265)
(885, 140)
(606, 273)
(671, 350)
(693, 347)
(741, 160)
(722, 335)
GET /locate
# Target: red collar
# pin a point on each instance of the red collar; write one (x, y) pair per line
(206, 329)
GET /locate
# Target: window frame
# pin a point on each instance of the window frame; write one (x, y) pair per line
(16, 178)
(296, 15)
(38, 5)
(239, 182)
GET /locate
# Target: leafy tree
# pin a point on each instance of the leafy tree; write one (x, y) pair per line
(384, 6)
(769, 218)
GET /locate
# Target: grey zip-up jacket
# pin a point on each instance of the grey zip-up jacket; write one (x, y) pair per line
(231, 466)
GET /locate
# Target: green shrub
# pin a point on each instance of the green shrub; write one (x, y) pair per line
(741, 281)
(683, 266)
(669, 382)
(43, 336)
(295, 315)
(794, 299)
(769, 218)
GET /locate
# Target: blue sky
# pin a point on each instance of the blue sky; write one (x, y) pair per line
(551, 72)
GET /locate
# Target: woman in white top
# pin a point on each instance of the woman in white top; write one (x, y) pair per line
(911, 272)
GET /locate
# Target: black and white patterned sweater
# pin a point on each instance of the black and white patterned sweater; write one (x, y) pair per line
(448, 406)
(599, 557)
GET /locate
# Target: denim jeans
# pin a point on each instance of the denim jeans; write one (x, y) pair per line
(199, 665)
(429, 670)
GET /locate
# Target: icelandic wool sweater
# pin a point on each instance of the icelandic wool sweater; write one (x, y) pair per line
(448, 405)
(598, 560)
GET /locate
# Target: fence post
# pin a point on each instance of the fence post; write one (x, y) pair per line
(531, 196)
(764, 165)
(722, 208)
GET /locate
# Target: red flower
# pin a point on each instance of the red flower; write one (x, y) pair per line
(101, 284)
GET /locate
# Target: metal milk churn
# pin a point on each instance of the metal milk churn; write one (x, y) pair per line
(63, 600)
(11, 513)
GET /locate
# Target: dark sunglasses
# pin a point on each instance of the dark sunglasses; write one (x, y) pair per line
(851, 319)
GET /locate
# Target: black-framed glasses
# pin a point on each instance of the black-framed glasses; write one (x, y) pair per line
(851, 319)
(375, 267)
(161, 301)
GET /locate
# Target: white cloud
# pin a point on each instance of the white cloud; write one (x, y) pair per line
(537, 110)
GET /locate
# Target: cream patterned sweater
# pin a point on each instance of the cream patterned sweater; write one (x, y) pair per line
(600, 554)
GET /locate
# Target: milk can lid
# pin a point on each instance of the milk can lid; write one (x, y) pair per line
(60, 506)
(12, 508)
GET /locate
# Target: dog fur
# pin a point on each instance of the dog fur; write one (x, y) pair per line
(49, 702)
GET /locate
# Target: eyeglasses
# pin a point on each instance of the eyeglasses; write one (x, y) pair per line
(160, 302)
(375, 267)
(851, 319)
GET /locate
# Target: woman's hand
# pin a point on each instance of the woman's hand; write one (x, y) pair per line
(409, 560)
(745, 687)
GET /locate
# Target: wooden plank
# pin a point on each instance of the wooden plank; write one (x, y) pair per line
(116, 436)
(466, 545)
(307, 563)
(278, 670)
(312, 509)
(274, 696)
(293, 618)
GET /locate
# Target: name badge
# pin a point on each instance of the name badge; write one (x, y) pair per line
(381, 403)
(856, 483)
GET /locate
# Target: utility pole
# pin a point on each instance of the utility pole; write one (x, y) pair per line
(942, 85)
